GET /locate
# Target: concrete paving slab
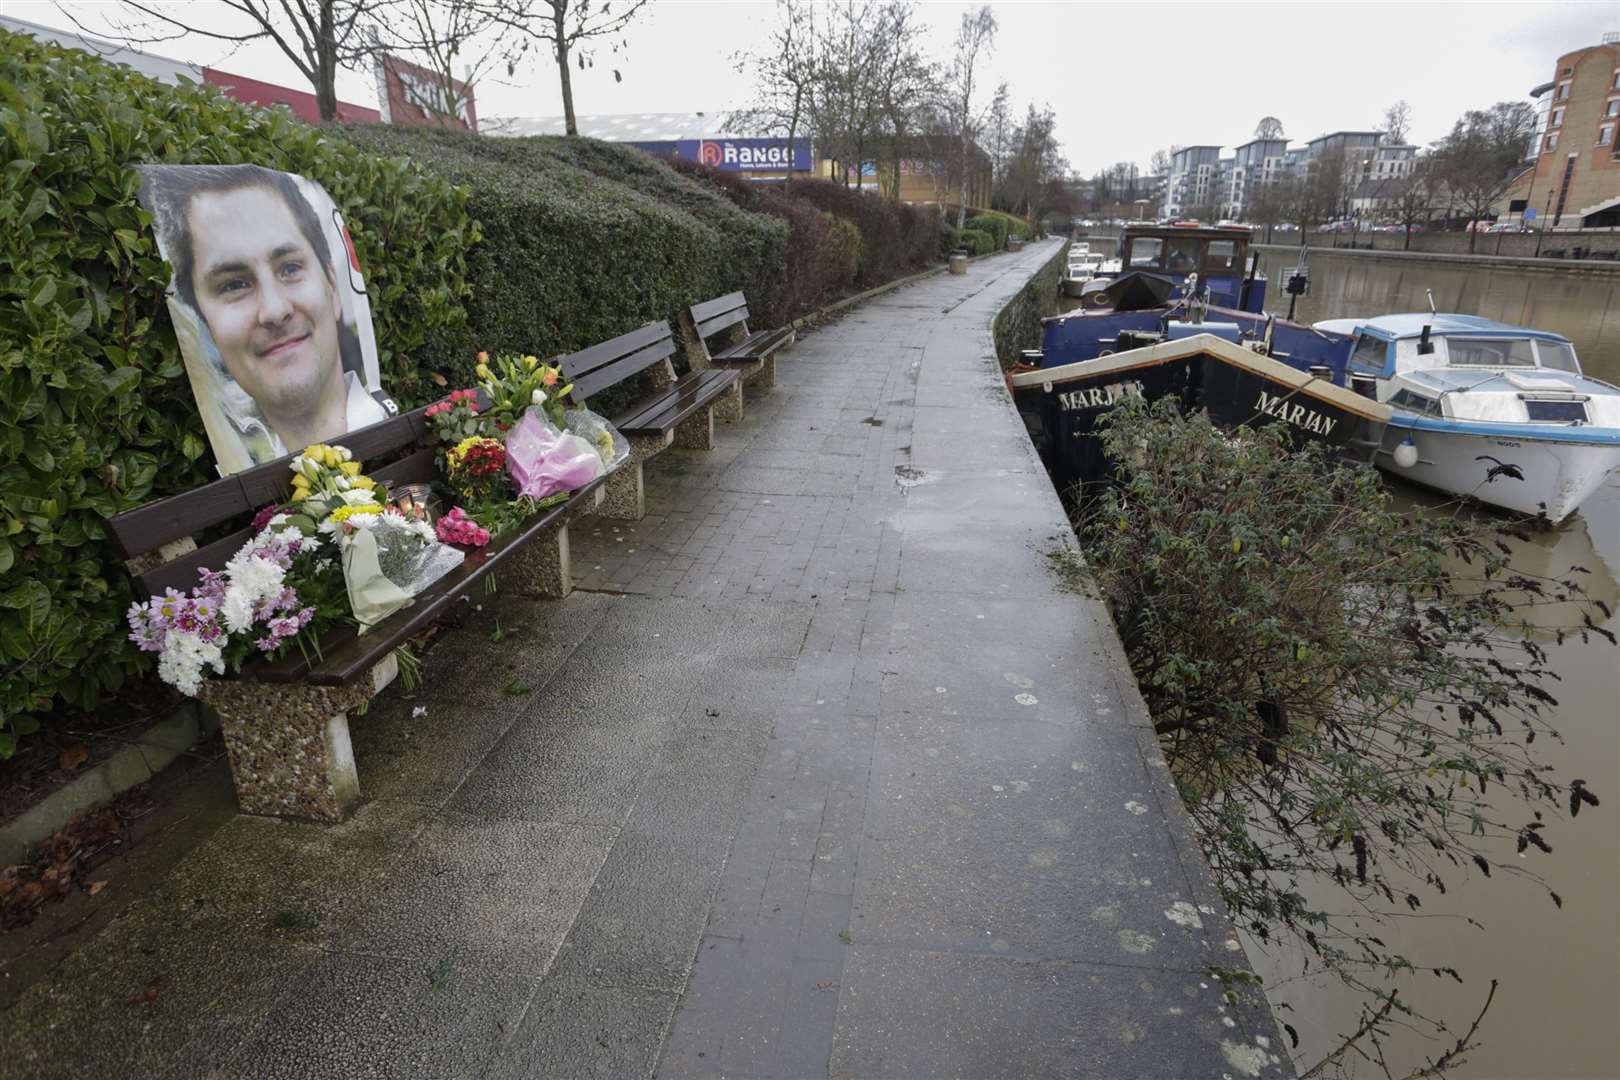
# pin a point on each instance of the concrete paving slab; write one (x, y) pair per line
(488, 893)
(583, 1028)
(374, 1017)
(905, 1012)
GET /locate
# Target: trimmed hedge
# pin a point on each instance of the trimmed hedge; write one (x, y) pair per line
(583, 240)
(949, 239)
(823, 251)
(96, 415)
(996, 227)
(896, 237)
(977, 242)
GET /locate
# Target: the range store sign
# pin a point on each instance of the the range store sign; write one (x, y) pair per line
(737, 155)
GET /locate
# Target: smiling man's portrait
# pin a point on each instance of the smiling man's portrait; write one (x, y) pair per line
(269, 307)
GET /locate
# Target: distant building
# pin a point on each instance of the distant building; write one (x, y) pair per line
(687, 136)
(1574, 180)
(1255, 164)
(1193, 183)
(174, 72)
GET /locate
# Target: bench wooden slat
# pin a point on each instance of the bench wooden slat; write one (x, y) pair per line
(181, 573)
(628, 366)
(718, 304)
(709, 327)
(695, 391)
(149, 527)
(345, 656)
(758, 344)
(613, 361)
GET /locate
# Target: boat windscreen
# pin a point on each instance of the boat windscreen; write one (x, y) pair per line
(1490, 352)
(1145, 251)
(1370, 355)
(1558, 355)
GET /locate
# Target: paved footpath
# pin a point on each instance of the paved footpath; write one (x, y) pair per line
(821, 773)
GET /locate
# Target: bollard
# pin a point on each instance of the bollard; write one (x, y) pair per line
(959, 262)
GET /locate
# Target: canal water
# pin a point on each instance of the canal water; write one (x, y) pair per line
(1554, 1015)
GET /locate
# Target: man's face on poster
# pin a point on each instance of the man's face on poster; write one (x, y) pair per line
(267, 300)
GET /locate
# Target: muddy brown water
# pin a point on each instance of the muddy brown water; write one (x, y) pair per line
(1555, 1012)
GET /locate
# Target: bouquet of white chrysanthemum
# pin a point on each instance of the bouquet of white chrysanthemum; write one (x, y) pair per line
(388, 558)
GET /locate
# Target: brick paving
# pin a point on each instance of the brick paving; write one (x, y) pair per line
(820, 773)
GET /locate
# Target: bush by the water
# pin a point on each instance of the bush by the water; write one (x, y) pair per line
(583, 240)
(1347, 694)
(96, 414)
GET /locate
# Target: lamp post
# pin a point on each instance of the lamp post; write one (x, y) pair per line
(1141, 213)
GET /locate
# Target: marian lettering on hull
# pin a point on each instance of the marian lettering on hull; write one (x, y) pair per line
(1096, 397)
(1289, 412)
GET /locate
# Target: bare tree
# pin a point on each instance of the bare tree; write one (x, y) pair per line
(441, 35)
(784, 77)
(906, 84)
(1159, 164)
(1398, 121)
(1412, 198)
(1479, 159)
(849, 53)
(318, 36)
(975, 38)
(1269, 127)
(1268, 205)
(998, 134)
(572, 28)
(1037, 162)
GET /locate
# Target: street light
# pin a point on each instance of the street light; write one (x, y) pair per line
(1141, 213)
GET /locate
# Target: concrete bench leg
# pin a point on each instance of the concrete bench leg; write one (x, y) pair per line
(767, 372)
(697, 432)
(625, 496)
(730, 407)
(543, 566)
(289, 743)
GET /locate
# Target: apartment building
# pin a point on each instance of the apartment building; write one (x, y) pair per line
(1574, 181)
(1194, 181)
(1253, 165)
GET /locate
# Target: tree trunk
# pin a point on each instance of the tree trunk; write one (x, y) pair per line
(559, 12)
(326, 66)
(961, 206)
(1408, 245)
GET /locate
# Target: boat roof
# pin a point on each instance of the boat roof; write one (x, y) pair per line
(1411, 325)
(1517, 380)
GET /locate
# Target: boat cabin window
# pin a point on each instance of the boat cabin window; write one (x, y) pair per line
(1406, 399)
(1490, 352)
(1370, 355)
(1561, 412)
(1223, 257)
(1558, 355)
(1182, 254)
(1145, 252)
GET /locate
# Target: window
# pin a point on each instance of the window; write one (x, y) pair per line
(1145, 251)
(1563, 92)
(1222, 254)
(1370, 355)
(1605, 135)
(1552, 141)
(1617, 80)
(1558, 118)
(1490, 352)
(1181, 254)
(1614, 107)
(1559, 356)
(1555, 411)
(1406, 399)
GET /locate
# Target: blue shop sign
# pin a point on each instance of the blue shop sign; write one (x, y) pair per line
(736, 155)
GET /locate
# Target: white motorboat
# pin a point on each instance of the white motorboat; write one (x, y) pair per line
(1495, 412)
(1083, 266)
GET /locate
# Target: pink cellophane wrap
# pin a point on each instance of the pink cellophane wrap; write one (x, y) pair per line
(544, 461)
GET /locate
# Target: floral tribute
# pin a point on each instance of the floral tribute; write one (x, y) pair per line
(337, 552)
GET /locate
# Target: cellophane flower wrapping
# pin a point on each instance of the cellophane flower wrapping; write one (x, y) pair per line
(388, 559)
(544, 460)
(610, 446)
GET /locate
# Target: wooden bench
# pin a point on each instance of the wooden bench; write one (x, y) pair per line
(679, 411)
(286, 721)
(753, 355)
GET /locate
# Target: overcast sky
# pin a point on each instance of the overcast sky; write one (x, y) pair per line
(1124, 78)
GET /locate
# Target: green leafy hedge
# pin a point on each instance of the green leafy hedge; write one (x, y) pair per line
(96, 415)
(583, 240)
(896, 237)
(994, 226)
(977, 242)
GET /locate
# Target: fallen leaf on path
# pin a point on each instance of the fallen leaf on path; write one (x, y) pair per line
(95, 887)
(73, 756)
(149, 996)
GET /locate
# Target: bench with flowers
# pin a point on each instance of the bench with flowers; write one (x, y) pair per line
(330, 561)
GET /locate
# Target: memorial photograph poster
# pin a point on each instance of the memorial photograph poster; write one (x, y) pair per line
(269, 306)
